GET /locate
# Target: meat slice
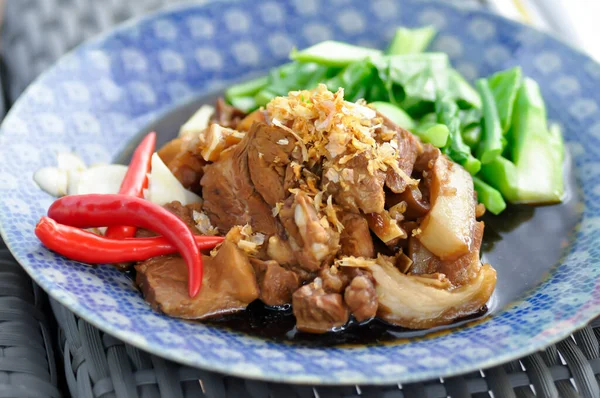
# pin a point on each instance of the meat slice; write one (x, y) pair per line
(228, 284)
(184, 213)
(313, 242)
(168, 151)
(334, 279)
(317, 311)
(227, 115)
(269, 154)
(353, 187)
(459, 271)
(276, 283)
(361, 297)
(355, 239)
(426, 159)
(230, 197)
(408, 148)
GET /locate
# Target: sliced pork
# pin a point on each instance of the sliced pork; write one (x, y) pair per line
(230, 198)
(228, 284)
(317, 311)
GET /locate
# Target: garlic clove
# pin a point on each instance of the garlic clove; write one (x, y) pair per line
(69, 161)
(52, 180)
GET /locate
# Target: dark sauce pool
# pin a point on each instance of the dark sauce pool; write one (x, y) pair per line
(523, 244)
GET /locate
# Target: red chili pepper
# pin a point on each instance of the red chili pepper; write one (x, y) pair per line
(98, 210)
(84, 246)
(136, 179)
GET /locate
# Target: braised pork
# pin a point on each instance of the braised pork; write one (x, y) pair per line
(228, 284)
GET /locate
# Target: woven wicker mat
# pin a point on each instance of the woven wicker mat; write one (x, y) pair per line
(27, 367)
(36, 33)
(98, 365)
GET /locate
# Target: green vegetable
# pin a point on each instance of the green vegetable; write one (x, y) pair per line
(447, 113)
(245, 104)
(395, 114)
(503, 121)
(353, 80)
(333, 53)
(501, 174)
(292, 76)
(490, 197)
(411, 41)
(504, 86)
(436, 135)
(469, 118)
(246, 89)
(263, 97)
(296, 76)
(471, 136)
(415, 78)
(419, 75)
(466, 96)
(492, 141)
(535, 150)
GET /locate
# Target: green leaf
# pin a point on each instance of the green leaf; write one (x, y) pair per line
(447, 114)
(411, 41)
(246, 89)
(504, 86)
(469, 118)
(353, 79)
(464, 94)
(419, 75)
(333, 53)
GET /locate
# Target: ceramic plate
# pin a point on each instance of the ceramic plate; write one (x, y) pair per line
(153, 72)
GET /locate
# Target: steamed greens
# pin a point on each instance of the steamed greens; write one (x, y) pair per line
(497, 131)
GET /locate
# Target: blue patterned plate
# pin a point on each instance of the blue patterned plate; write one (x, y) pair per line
(100, 96)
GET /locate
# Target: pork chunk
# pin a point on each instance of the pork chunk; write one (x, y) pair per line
(228, 284)
(361, 298)
(317, 311)
(227, 115)
(355, 239)
(269, 153)
(230, 197)
(312, 242)
(334, 279)
(276, 283)
(408, 149)
(353, 187)
(184, 213)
